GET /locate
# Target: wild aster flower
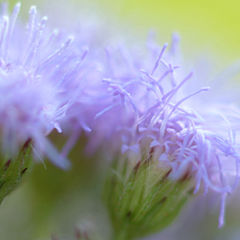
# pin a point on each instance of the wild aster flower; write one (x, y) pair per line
(38, 71)
(156, 124)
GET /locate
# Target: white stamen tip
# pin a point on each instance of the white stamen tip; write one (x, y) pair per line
(18, 5)
(33, 10)
(5, 19)
(71, 38)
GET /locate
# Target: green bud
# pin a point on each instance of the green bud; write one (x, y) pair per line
(142, 199)
(13, 169)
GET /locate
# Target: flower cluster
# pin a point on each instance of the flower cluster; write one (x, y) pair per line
(128, 101)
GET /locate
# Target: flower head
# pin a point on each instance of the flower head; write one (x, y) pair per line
(38, 72)
(150, 113)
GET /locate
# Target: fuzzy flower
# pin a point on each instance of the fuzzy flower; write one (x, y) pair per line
(38, 72)
(148, 111)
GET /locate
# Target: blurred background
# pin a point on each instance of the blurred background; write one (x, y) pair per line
(53, 202)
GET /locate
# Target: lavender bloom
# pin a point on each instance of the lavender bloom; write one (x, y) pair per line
(38, 72)
(145, 112)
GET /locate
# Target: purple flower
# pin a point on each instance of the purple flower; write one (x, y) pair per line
(39, 69)
(146, 110)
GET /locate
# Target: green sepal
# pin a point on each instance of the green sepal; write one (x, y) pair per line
(13, 169)
(142, 199)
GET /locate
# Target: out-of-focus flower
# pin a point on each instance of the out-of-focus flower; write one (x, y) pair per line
(38, 72)
(84, 232)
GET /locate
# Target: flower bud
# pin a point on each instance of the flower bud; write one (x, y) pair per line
(142, 198)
